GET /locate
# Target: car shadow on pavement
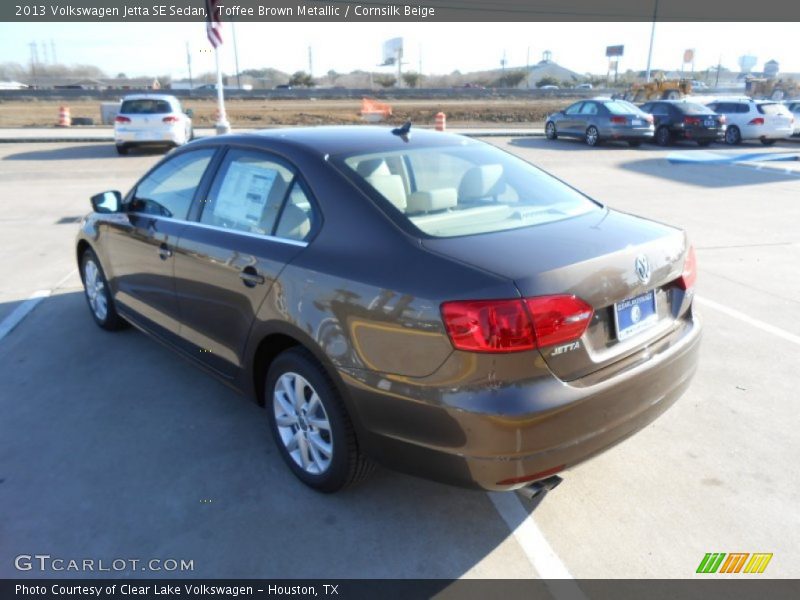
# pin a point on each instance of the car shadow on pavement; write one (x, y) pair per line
(573, 144)
(112, 446)
(711, 175)
(81, 151)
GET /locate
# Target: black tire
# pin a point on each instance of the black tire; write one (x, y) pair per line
(550, 131)
(348, 465)
(663, 137)
(122, 149)
(733, 136)
(767, 142)
(634, 143)
(109, 319)
(704, 143)
(592, 136)
(191, 134)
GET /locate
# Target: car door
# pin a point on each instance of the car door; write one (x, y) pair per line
(587, 116)
(569, 122)
(256, 217)
(139, 246)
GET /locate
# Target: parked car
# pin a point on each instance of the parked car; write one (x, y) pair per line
(597, 120)
(151, 119)
(365, 285)
(794, 107)
(749, 119)
(681, 120)
(699, 86)
(550, 87)
(584, 86)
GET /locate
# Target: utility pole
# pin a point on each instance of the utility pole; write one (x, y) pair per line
(652, 37)
(503, 69)
(528, 67)
(719, 68)
(53, 51)
(34, 61)
(236, 56)
(310, 62)
(189, 64)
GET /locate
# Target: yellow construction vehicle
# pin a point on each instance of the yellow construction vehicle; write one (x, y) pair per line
(772, 88)
(659, 89)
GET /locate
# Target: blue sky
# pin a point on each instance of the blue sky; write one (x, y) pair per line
(160, 48)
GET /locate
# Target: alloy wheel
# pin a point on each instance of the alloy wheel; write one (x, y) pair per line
(302, 423)
(592, 136)
(95, 290)
(550, 130)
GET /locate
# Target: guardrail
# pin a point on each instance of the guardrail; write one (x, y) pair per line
(309, 93)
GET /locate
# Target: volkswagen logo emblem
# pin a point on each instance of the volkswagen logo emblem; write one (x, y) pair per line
(642, 268)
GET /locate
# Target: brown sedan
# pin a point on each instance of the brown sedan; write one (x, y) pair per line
(424, 301)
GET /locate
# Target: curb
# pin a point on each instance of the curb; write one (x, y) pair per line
(97, 139)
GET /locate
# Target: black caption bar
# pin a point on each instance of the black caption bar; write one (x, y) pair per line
(383, 10)
(401, 589)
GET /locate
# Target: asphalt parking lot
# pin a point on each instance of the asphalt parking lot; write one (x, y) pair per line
(113, 447)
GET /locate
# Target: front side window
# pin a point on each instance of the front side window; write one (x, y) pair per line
(465, 190)
(574, 109)
(168, 191)
(254, 193)
(589, 108)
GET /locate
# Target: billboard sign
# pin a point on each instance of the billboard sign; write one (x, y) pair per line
(614, 50)
(688, 55)
(392, 51)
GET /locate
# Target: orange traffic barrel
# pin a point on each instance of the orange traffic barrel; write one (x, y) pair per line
(64, 119)
(441, 121)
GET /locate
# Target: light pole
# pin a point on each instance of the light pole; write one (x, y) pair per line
(652, 37)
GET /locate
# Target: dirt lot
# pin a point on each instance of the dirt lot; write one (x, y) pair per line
(305, 112)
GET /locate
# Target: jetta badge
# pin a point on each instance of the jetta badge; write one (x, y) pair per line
(642, 268)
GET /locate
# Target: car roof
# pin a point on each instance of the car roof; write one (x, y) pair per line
(347, 139)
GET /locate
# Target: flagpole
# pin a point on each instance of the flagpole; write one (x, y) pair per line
(222, 124)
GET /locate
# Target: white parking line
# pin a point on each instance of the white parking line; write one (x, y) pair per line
(532, 541)
(789, 337)
(23, 310)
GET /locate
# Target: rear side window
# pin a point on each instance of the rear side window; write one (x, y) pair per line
(772, 109)
(464, 190)
(256, 193)
(169, 189)
(145, 106)
(742, 108)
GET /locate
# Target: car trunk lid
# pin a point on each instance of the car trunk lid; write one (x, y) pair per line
(594, 257)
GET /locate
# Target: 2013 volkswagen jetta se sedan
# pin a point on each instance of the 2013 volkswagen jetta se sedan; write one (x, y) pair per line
(424, 301)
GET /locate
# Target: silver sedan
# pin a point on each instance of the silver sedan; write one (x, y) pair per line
(601, 119)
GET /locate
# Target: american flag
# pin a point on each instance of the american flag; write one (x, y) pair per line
(213, 24)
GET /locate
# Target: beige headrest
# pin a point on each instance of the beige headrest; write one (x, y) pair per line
(480, 182)
(432, 200)
(390, 187)
(294, 223)
(372, 166)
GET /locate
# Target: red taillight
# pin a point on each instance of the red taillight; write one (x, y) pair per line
(170, 119)
(757, 121)
(619, 120)
(121, 119)
(649, 118)
(691, 121)
(488, 325)
(689, 275)
(558, 319)
(515, 325)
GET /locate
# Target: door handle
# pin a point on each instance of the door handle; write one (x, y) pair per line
(164, 252)
(250, 277)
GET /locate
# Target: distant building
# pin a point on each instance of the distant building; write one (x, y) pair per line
(548, 68)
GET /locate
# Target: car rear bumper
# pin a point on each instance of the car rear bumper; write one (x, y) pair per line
(627, 133)
(502, 436)
(140, 136)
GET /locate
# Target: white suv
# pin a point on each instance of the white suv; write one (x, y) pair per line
(794, 107)
(151, 119)
(754, 120)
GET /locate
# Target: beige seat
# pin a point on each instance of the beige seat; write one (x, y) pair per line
(432, 200)
(481, 182)
(376, 172)
(294, 223)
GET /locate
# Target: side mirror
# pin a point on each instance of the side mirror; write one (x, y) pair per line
(189, 112)
(107, 202)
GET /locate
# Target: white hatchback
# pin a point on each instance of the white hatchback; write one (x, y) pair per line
(754, 120)
(794, 107)
(151, 119)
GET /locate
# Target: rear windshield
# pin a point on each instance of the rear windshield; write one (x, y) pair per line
(689, 108)
(145, 107)
(466, 190)
(621, 108)
(773, 109)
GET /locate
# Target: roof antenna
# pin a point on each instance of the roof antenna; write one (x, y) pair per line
(403, 131)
